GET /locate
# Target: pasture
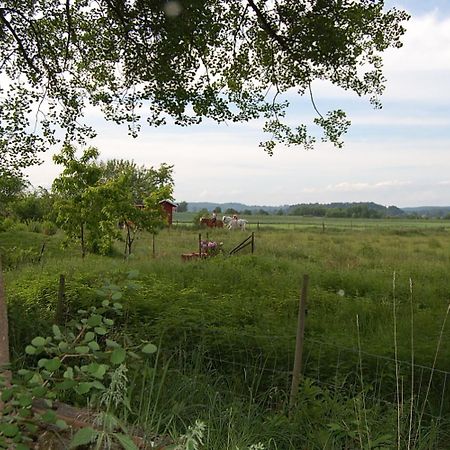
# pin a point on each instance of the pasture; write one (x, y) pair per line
(226, 326)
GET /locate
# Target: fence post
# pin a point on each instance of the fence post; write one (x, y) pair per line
(153, 245)
(323, 226)
(199, 245)
(257, 226)
(253, 242)
(61, 302)
(296, 371)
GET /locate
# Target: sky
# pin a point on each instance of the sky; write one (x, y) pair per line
(399, 155)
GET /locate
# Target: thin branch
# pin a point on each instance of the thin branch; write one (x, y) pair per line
(18, 41)
(312, 101)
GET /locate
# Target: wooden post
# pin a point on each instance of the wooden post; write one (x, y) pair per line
(323, 226)
(253, 241)
(153, 245)
(257, 226)
(4, 330)
(296, 371)
(61, 303)
(199, 245)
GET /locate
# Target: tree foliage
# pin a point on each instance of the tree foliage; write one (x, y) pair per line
(227, 60)
(93, 198)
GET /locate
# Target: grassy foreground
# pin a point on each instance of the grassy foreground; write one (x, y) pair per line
(226, 329)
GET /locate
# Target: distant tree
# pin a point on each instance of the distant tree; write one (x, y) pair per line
(182, 207)
(262, 212)
(280, 212)
(217, 209)
(142, 181)
(12, 185)
(246, 212)
(231, 211)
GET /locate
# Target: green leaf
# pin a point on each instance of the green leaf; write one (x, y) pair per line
(116, 296)
(89, 336)
(83, 388)
(105, 303)
(133, 274)
(63, 346)
(42, 361)
(117, 306)
(68, 374)
(82, 349)
(83, 437)
(6, 394)
(38, 341)
(94, 346)
(52, 364)
(9, 429)
(100, 330)
(95, 320)
(56, 331)
(125, 441)
(61, 424)
(109, 322)
(149, 348)
(49, 416)
(30, 350)
(112, 344)
(118, 355)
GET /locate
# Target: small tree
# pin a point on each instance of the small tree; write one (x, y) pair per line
(182, 207)
(81, 199)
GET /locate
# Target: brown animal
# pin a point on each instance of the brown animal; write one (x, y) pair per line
(206, 222)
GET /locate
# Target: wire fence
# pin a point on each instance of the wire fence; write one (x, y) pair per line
(382, 379)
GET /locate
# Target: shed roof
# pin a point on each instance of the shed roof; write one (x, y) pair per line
(170, 202)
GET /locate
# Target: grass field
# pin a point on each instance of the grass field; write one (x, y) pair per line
(377, 302)
(296, 222)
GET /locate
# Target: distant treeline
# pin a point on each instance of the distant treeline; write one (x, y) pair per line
(346, 210)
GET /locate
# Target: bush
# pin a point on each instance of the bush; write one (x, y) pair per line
(8, 224)
(35, 227)
(49, 228)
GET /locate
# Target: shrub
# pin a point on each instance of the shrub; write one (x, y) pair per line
(35, 227)
(49, 228)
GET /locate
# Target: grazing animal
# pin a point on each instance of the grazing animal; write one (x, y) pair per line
(235, 224)
(205, 221)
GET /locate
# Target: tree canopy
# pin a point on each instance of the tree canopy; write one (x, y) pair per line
(183, 61)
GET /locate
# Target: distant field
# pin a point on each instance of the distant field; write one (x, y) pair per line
(293, 222)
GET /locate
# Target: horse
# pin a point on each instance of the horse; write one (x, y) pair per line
(205, 221)
(234, 224)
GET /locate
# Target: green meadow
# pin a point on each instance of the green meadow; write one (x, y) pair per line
(377, 348)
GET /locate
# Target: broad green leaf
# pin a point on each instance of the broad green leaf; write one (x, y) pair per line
(49, 416)
(89, 336)
(63, 346)
(9, 429)
(95, 320)
(116, 296)
(56, 331)
(109, 322)
(30, 350)
(38, 341)
(112, 344)
(68, 374)
(149, 348)
(82, 349)
(100, 330)
(83, 388)
(6, 394)
(118, 355)
(61, 424)
(83, 437)
(125, 441)
(52, 364)
(42, 361)
(94, 346)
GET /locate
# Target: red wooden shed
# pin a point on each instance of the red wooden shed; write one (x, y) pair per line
(168, 207)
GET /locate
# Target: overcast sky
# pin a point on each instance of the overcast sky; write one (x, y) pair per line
(399, 155)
